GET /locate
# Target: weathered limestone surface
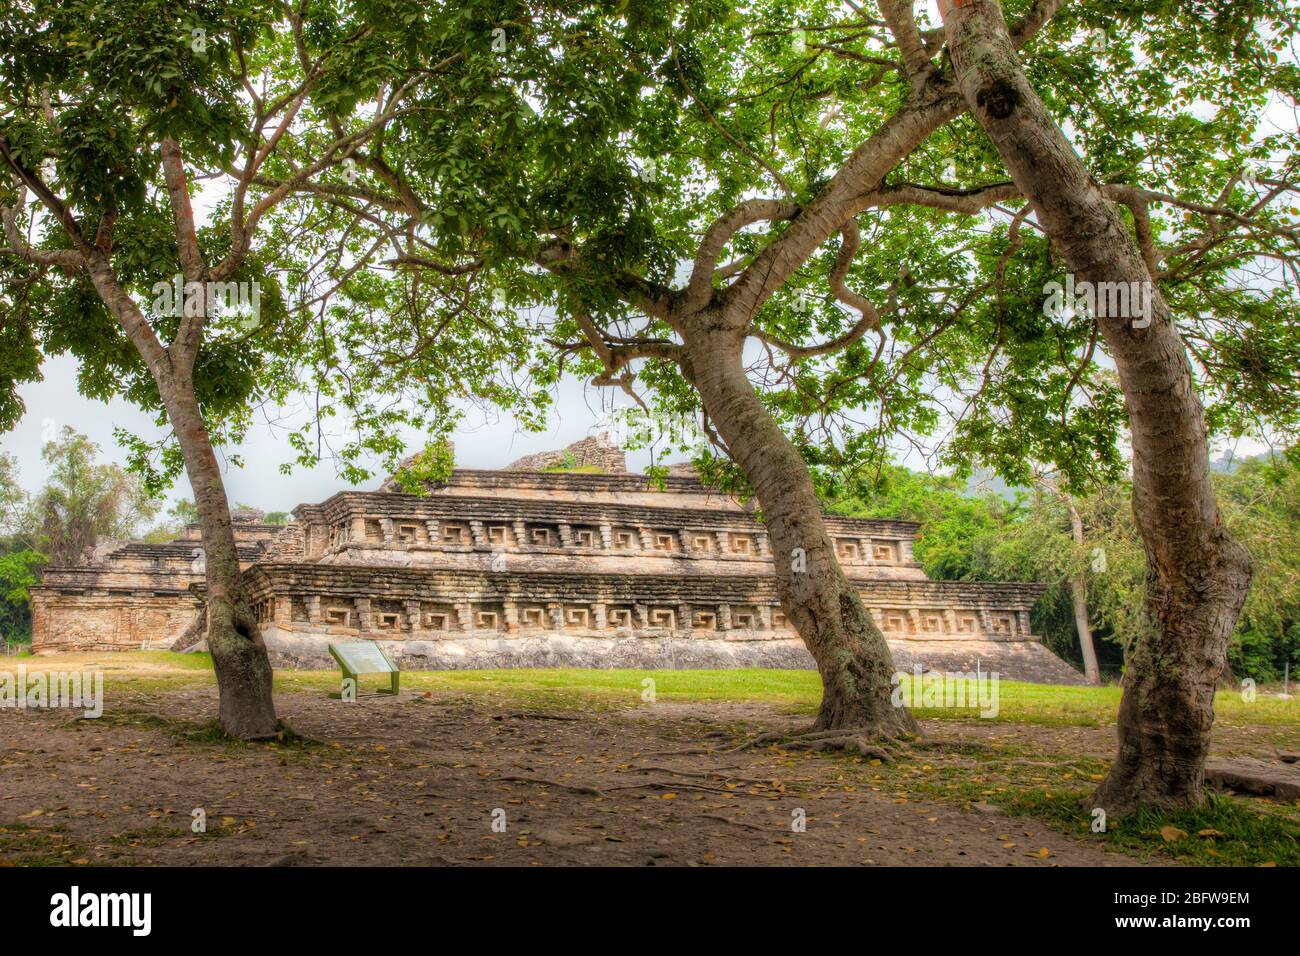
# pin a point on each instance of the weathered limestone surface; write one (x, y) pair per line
(594, 452)
(1021, 661)
(129, 595)
(111, 620)
(532, 568)
(1276, 779)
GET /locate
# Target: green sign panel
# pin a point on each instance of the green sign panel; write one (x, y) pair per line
(363, 657)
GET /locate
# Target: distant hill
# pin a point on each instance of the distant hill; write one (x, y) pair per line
(1227, 463)
(984, 482)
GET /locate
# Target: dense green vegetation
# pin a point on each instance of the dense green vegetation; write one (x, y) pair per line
(1025, 536)
(83, 502)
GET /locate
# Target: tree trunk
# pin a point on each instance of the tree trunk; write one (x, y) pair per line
(1079, 596)
(239, 655)
(246, 709)
(821, 604)
(1197, 575)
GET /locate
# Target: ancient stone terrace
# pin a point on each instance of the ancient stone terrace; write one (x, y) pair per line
(578, 531)
(321, 599)
(523, 567)
(131, 594)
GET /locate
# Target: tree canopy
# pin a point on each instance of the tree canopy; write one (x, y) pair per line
(422, 266)
(596, 160)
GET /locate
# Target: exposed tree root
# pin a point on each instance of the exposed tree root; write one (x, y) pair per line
(612, 789)
(536, 715)
(862, 745)
(741, 823)
(541, 782)
(720, 773)
(867, 741)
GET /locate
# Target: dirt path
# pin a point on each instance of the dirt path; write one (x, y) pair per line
(419, 781)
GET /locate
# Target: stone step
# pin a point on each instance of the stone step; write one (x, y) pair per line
(1275, 779)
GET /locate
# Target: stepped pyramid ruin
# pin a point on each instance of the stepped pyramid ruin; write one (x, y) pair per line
(532, 566)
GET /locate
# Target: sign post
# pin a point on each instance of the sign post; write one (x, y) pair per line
(363, 657)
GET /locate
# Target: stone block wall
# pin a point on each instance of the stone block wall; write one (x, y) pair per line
(534, 568)
(392, 603)
(523, 534)
(110, 620)
(136, 595)
(594, 452)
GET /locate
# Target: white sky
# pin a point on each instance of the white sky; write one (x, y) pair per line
(481, 443)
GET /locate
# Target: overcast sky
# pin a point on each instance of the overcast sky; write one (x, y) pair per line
(481, 443)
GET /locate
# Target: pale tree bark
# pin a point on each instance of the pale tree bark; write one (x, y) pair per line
(239, 657)
(243, 669)
(1079, 598)
(1197, 575)
(1078, 581)
(851, 653)
(825, 609)
(852, 657)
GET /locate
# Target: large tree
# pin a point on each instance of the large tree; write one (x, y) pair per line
(84, 500)
(109, 114)
(1198, 576)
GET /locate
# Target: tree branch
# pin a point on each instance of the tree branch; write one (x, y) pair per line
(57, 207)
(189, 333)
(699, 289)
(67, 259)
(901, 20)
(739, 144)
(870, 317)
(1034, 20)
(850, 191)
(968, 202)
(241, 229)
(187, 242)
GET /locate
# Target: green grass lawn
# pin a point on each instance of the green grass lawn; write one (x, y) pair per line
(793, 691)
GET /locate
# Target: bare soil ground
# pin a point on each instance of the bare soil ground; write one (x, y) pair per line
(420, 780)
